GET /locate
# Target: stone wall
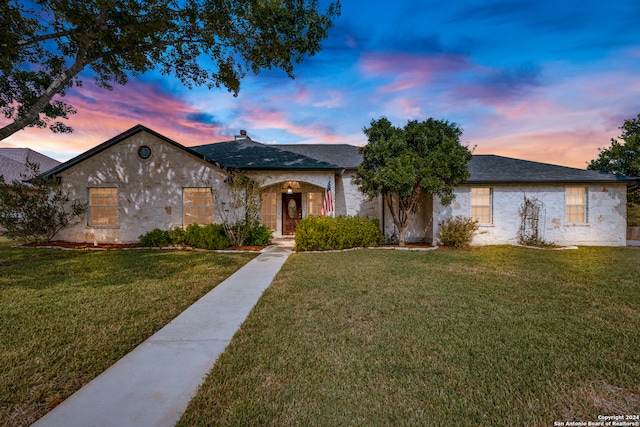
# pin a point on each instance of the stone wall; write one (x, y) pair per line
(346, 197)
(420, 230)
(606, 217)
(149, 191)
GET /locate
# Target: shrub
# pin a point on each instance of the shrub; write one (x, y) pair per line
(457, 231)
(36, 211)
(259, 235)
(178, 235)
(326, 233)
(156, 238)
(210, 236)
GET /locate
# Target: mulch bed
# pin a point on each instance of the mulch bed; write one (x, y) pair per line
(110, 246)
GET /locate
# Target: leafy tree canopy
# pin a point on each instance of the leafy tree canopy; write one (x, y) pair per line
(46, 44)
(405, 164)
(622, 158)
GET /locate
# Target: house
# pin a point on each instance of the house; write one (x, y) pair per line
(14, 163)
(141, 180)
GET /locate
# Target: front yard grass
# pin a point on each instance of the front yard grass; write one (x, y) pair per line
(66, 316)
(493, 336)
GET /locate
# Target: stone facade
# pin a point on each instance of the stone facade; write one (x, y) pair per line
(605, 222)
(149, 191)
(150, 187)
(348, 200)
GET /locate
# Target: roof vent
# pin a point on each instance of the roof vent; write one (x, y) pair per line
(243, 135)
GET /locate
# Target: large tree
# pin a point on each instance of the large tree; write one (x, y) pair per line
(622, 158)
(403, 165)
(46, 44)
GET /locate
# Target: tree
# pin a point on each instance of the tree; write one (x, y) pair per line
(240, 212)
(46, 44)
(622, 158)
(405, 164)
(35, 210)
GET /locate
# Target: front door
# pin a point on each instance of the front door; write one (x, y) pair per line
(291, 212)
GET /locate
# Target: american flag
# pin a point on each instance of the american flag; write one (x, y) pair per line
(327, 203)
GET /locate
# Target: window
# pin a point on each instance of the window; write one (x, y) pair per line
(481, 205)
(103, 206)
(198, 205)
(268, 210)
(576, 204)
(314, 204)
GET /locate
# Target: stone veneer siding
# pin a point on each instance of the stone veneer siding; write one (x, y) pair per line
(347, 198)
(606, 214)
(149, 191)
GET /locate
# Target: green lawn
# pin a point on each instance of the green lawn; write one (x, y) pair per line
(494, 336)
(65, 316)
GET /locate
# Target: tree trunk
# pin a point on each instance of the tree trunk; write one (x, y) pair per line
(403, 236)
(406, 213)
(30, 116)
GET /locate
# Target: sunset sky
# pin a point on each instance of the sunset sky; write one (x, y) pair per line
(537, 80)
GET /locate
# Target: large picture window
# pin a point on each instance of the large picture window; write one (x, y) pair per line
(198, 205)
(576, 204)
(481, 205)
(103, 206)
(269, 210)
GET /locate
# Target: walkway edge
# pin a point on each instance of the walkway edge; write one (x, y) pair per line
(153, 384)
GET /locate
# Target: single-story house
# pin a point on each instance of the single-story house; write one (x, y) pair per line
(141, 180)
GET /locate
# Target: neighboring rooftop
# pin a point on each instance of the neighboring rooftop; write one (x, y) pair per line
(489, 168)
(13, 163)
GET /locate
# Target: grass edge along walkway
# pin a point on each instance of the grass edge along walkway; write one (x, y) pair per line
(487, 336)
(66, 316)
(152, 385)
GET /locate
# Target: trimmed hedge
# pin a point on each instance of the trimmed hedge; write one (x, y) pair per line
(210, 236)
(325, 233)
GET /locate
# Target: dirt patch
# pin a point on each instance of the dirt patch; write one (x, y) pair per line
(606, 398)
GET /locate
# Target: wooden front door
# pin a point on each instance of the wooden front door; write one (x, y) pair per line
(291, 212)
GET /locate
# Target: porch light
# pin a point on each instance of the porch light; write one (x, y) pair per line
(289, 189)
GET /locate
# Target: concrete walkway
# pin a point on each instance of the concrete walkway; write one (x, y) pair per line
(152, 385)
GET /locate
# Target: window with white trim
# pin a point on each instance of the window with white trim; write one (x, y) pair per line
(197, 205)
(103, 206)
(482, 204)
(576, 204)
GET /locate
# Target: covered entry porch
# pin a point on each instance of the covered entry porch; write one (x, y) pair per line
(285, 203)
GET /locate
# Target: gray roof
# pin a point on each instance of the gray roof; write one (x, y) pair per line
(243, 153)
(489, 168)
(13, 163)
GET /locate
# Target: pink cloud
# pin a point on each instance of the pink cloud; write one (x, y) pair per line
(573, 148)
(104, 114)
(260, 118)
(409, 71)
(334, 99)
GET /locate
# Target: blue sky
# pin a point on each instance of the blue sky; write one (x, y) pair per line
(544, 81)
